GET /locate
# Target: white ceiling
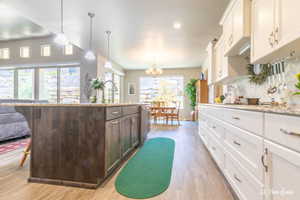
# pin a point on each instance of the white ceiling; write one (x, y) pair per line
(13, 26)
(142, 30)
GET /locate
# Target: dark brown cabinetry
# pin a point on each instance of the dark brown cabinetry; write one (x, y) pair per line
(112, 144)
(80, 145)
(135, 127)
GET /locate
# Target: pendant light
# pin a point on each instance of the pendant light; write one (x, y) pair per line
(89, 55)
(61, 38)
(108, 63)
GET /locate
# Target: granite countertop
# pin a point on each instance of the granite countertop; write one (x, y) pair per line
(286, 110)
(69, 105)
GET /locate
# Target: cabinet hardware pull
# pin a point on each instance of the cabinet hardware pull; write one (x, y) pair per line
(115, 122)
(236, 178)
(236, 118)
(271, 38)
(214, 127)
(289, 133)
(115, 113)
(235, 142)
(214, 148)
(263, 160)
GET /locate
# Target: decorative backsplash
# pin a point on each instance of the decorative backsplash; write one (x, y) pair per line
(243, 87)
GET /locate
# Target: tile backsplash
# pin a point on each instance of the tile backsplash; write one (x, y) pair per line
(243, 87)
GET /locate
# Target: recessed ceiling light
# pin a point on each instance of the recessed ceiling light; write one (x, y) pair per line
(177, 25)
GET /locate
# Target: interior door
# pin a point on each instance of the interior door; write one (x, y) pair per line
(263, 12)
(287, 25)
(283, 173)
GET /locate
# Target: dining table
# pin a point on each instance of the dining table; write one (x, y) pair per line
(161, 112)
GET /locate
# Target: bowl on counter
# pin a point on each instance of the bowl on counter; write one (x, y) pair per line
(253, 101)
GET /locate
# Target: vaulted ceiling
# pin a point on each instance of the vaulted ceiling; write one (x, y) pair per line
(142, 30)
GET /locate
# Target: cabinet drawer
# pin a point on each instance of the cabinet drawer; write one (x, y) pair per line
(212, 111)
(283, 129)
(246, 148)
(247, 120)
(203, 135)
(113, 113)
(217, 128)
(246, 187)
(128, 110)
(216, 151)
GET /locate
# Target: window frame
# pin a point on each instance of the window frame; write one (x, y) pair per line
(65, 50)
(42, 50)
(161, 77)
(22, 52)
(2, 53)
(36, 80)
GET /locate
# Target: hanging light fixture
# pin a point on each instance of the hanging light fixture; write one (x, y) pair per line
(108, 63)
(61, 38)
(154, 70)
(90, 55)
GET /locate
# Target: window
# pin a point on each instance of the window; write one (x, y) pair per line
(117, 81)
(26, 84)
(48, 84)
(25, 52)
(45, 50)
(6, 84)
(4, 53)
(70, 85)
(69, 49)
(167, 89)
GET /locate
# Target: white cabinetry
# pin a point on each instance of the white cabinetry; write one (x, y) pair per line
(275, 29)
(228, 68)
(258, 152)
(236, 24)
(283, 173)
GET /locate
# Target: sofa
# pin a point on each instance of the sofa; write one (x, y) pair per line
(13, 124)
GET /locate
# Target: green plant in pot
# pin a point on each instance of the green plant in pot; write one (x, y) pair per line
(297, 84)
(191, 92)
(97, 84)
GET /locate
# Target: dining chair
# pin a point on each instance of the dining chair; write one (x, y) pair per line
(174, 114)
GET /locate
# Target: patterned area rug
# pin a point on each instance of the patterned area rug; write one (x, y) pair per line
(11, 146)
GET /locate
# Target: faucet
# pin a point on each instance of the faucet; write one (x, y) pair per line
(114, 88)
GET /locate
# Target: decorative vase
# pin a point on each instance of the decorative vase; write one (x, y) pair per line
(93, 99)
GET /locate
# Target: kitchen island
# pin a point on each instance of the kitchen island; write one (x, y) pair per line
(82, 144)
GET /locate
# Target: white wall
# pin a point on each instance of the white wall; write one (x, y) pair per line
(133, 76)
(57, 58)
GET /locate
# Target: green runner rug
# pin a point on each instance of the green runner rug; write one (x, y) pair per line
(148, 172)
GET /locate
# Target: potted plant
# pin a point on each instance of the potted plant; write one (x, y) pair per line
(191, 91)
(98, 85)
(297, 84)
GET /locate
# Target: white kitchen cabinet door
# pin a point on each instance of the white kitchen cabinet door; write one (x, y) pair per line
(238, 21)
(263, 20)
(282, 180)
(287, 24)
(228, 31)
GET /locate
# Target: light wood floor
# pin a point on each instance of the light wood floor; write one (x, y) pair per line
(195, 176)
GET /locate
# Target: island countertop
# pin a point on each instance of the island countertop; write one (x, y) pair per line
(285, 110)
(70, 105)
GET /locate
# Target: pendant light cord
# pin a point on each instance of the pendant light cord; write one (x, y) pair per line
(108, 44)
(62, 16)
(91, 32)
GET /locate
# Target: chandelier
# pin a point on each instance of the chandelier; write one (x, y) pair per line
(154, 70)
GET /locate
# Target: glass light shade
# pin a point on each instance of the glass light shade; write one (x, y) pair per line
(61, 39)
(108, 65)
(257, 69)
(89, 55)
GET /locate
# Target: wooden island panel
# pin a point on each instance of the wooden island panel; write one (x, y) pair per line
(81, 145)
